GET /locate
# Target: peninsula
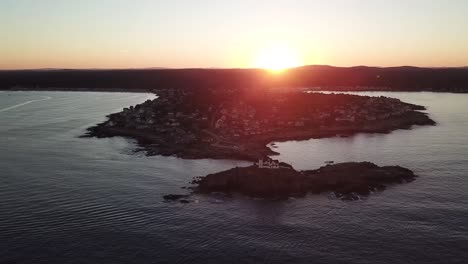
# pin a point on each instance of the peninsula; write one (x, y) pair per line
(239, 123)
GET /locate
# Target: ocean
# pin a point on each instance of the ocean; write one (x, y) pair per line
(66, 199)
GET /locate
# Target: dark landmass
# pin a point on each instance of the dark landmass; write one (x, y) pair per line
(349, 181)
(317, 77)
(235, 124)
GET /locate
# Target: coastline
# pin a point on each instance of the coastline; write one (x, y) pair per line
(255, 146)
(54, 89)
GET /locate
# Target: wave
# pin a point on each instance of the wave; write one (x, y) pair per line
(25, 103)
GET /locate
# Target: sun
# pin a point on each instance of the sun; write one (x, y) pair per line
(277, 58)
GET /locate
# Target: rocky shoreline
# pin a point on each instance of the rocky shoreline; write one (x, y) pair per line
(257, 145)
(348, 181)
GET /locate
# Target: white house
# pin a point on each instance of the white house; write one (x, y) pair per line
(268, 164)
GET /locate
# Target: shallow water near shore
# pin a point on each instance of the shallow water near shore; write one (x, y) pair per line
(65, 199)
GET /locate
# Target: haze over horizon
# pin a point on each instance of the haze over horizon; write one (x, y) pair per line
(225, 34)
(225, 68)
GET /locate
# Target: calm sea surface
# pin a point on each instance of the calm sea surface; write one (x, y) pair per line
(65, 199)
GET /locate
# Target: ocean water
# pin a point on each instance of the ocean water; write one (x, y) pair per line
(65, 199)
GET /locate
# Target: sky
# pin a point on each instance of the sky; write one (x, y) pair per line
(231, 34)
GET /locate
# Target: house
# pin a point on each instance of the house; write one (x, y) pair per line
(345, 118)
(268, 164)
(299, 123)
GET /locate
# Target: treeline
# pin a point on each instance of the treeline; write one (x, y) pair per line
(315, 77)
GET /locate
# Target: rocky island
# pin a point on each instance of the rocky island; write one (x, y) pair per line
(349, 181)
(239, 123)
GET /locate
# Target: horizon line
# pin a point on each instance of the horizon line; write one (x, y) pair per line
(229, 68)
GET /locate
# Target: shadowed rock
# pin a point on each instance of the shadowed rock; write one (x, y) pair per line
(175, 197)
(347, 180)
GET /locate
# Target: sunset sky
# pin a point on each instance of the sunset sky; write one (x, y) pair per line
(226, 33)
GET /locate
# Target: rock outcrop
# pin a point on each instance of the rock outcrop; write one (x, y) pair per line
(349, 180)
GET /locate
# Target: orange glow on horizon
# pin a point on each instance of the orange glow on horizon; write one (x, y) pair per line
(277, 58)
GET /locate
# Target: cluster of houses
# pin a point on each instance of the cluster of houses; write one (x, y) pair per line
(242, 120)
(374, 108)
(164, 117)
(268, 164)
(175, 119)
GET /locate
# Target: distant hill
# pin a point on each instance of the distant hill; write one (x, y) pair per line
(322, 77)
